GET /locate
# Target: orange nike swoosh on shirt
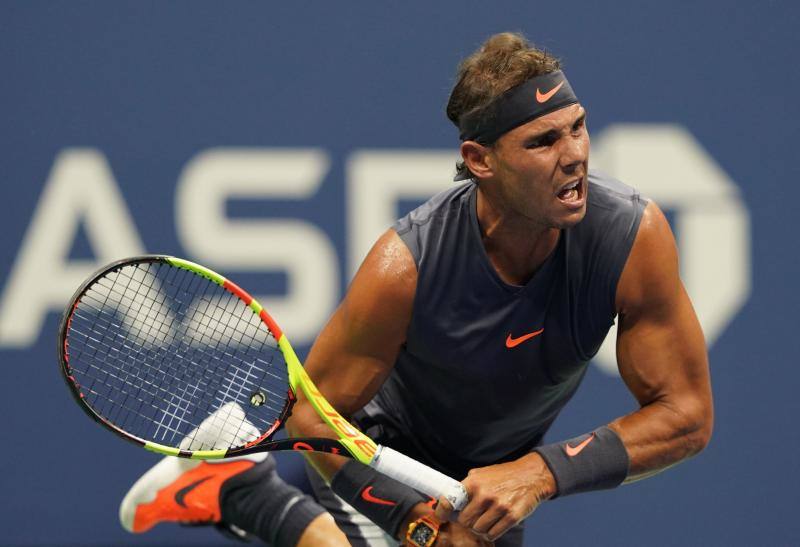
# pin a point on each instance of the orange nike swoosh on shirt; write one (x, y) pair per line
(514, 342)
(575, 450)
(366, 495)
(544, 97)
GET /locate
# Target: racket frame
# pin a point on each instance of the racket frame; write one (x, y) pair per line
(351, 442)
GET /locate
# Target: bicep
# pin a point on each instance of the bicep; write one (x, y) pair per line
(660, 348)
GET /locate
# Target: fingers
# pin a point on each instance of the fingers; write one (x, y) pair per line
(452, 534)
(501, 527)
(489, 517)
(443, 510)
(475, 507)
(487, 522)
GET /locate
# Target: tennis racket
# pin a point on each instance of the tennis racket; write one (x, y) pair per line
(153, 346)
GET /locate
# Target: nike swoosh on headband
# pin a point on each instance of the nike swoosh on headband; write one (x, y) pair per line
(544, 97)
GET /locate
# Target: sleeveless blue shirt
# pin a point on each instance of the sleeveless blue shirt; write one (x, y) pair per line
(458, 396)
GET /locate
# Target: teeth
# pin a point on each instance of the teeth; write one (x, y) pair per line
(571, 186)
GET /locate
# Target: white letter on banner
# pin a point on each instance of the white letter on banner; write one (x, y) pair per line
(377, 180)
(297, 247)
(80, 187)
(712, 224)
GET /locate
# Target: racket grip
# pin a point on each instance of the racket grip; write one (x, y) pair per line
(419, 476)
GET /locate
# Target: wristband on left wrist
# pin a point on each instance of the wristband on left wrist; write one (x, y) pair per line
(596, 461)
(381, 499)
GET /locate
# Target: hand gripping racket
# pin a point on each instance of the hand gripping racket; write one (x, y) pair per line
(154, 346)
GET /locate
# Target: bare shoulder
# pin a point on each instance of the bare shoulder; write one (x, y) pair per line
(651, 275)
(380, 299)
(388, 269)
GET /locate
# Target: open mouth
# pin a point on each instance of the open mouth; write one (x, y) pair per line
(572, 192)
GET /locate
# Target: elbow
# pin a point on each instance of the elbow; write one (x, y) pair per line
(699, 426)
(691, 423)
(702, 435)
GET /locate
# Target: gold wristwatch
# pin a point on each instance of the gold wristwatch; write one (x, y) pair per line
(423, 531)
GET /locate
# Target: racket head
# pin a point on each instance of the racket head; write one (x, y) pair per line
(174, 357)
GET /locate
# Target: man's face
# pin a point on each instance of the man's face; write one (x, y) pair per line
(536, 166)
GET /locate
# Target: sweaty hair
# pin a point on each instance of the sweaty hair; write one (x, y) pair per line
(504, 61)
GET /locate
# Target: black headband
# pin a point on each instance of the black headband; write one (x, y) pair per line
(519, 105)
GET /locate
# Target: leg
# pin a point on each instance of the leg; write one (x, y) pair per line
(243, 496)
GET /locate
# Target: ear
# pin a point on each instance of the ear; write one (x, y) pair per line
(478, 158)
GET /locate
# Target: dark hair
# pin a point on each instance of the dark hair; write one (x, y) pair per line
(504, 61)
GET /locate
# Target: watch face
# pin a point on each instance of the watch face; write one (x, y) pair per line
(422, 534)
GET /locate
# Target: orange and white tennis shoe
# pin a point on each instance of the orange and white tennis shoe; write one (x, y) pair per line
(183, 490)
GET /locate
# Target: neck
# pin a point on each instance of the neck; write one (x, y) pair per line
(517, 246)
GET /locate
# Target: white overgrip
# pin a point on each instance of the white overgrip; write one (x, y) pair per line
(419, 476)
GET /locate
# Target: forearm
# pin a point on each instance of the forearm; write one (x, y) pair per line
(664, 433)
(304, 422)
(661, 355)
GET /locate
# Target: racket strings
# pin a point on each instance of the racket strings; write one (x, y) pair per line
(123, 377)
(144, 366)
(158, 350)
(102, 333)
(155, 384)
(214, 356)
(124, 372)
(174, 411)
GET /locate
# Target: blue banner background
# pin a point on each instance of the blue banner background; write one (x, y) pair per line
(151, 84)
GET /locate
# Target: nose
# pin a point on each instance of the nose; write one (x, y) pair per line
(574, 152)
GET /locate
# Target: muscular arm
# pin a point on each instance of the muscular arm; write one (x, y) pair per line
(357, 348)
(661, 356)
(662, 359)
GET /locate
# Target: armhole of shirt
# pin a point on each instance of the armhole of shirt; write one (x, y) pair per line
(603, 309)
(639, 204)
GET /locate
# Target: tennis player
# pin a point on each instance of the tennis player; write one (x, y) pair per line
(471, 322)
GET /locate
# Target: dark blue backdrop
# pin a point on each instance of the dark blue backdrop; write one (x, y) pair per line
(148, 86)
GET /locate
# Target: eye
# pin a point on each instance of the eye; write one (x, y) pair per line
(579, 124)
(546, 140)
